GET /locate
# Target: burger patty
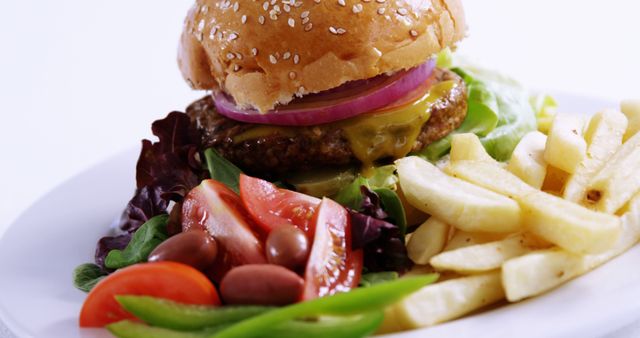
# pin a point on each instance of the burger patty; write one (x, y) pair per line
(278, 150)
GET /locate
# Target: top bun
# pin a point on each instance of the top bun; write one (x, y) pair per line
(263, 53)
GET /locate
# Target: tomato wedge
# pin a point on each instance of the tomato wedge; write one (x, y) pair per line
(216, 209)
(272, 207)
(169, 280)
(332, 267)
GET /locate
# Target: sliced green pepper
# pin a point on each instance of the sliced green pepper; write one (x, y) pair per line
(172, 315)
(350, 303)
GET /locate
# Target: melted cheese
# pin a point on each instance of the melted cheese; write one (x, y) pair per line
(391, 133)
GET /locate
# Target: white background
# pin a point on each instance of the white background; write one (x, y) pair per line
(82, 80)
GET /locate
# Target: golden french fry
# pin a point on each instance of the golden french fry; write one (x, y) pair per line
(631, 108)
(428, 240)
(462, 239)
(488, 256)
(618, 180)
(527, 160)
(443, 301)
(467, 147)
(564, 223)
(540, 271)
(604, 137)
(454, 201)
(565, 146)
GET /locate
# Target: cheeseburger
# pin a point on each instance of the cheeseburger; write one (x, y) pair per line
(302, 85)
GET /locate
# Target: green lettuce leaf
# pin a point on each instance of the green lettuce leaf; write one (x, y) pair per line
(144, 240)
(499, 112)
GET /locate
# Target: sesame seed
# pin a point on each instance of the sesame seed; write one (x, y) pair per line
(286, 56)
(333, 30)
(366, 0)
(261, 19)
(220, 35)
(236, 68)
(341, 31)
(276, 8)
(273, 2)
(304, 14)
(236, 6)
(238, 56)
(305, 20)
(286, 8)
(381, 10)
(244, 19)
(273, 16)
(254, 51)
(233, 36)
(342, 3)
(201, 25)
(265, 5)
(317, 1)
(301, 90)
(231, 56)
(402, 11)
(204, 9)
(357, 8)
(380, 1)
(199, 36)
(291, 22)
(212, 34)
(296, 59)
(413, 33)
(308, 27)
(273, 59)
(292, 75)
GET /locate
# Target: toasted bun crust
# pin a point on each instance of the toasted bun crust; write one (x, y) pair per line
(264, 53)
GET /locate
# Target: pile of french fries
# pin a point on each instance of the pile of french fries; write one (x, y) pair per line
(565, 203)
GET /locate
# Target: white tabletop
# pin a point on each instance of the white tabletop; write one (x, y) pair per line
(82, 80)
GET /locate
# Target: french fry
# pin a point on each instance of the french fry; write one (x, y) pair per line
(566, 224)
(463, 239)
(527, 160)
(454, 201)
(488, 256)
(443, 301)
(631, 108)
(565, 146)
(428, 240)
(467, 147)
(540, 271)
(618, 180)
(604, 137)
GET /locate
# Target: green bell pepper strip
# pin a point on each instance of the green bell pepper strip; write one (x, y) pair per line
(172, 315)
(354, 302)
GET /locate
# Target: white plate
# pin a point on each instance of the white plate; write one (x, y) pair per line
(40, 250)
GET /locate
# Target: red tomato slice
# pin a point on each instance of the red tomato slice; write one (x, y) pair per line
(169, 280)
(272, 207)
(332, 267)
(214, 208)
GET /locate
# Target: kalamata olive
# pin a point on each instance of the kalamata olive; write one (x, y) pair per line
(261, 284)
(287, 246)
(193, 247)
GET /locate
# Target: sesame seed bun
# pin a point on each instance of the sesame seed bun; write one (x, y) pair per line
(264, 53)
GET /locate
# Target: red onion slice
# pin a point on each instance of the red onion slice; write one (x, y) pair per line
(348, 100)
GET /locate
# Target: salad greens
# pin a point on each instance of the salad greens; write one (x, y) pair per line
(87, 275)
(222, 170)
(498, 112)
(144, 240)
(373, 278)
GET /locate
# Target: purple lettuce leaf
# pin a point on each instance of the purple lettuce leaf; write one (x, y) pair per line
(382, 241)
